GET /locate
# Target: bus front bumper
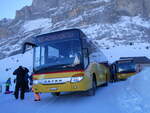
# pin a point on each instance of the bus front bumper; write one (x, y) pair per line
(83, 85)
(125, 75)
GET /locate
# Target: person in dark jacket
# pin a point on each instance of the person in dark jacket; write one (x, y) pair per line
(20, 73)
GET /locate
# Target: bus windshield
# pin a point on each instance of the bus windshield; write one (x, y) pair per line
(126, 67)
(62, 52)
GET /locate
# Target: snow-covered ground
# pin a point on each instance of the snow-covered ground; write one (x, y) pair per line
(130, 96)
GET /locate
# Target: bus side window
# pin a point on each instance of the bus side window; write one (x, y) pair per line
(86, 57)
(37, 61)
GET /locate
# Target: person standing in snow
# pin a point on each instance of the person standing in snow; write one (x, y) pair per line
(8, 83)
(20, 73)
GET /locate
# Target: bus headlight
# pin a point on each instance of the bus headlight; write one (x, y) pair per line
(76, 79)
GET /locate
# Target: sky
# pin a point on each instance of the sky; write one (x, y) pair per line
(8, 7)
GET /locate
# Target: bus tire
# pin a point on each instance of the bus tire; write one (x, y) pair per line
(115, 78)
(55, 93)
(91, 92)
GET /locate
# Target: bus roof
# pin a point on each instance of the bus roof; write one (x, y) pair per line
(125, 61)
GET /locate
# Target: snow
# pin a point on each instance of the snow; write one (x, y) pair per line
(98, 56)
(43, 23)
(127, 28)
(79, 18)
(135, 20)
(11, 63)
(135, 98)
(115, 52)
(101, 1)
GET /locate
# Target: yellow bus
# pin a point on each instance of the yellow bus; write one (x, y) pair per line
(66, 61)
(122, 69)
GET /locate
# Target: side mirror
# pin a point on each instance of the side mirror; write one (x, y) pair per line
(26, 46)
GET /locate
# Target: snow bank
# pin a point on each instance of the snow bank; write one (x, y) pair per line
(133, 95)
(141, 84)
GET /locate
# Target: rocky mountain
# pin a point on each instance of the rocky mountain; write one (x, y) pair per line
(105, 21)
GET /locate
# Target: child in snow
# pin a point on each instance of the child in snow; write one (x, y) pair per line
(7, 84)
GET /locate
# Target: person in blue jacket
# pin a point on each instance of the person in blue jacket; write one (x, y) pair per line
(7, 84)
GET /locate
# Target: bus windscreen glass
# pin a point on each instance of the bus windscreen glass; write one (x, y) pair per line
(126, 67)
(65, 52)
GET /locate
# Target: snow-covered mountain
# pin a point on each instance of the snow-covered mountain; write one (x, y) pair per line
(108, 23)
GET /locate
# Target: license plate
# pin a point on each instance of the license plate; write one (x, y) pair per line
(53, 89)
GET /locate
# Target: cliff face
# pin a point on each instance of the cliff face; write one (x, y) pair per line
(48, 8)
(50, 15)
(133, 7)
(125, 7)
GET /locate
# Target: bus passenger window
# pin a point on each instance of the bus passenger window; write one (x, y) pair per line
(86, 61)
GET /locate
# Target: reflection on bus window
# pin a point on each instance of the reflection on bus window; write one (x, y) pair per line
(37, 57)
(126, 67)
(58, 53)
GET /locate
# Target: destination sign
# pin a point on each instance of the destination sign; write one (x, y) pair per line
(56, 36)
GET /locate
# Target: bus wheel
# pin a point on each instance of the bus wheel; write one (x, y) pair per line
(55, 93)
(91, 92)
(115, 78)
